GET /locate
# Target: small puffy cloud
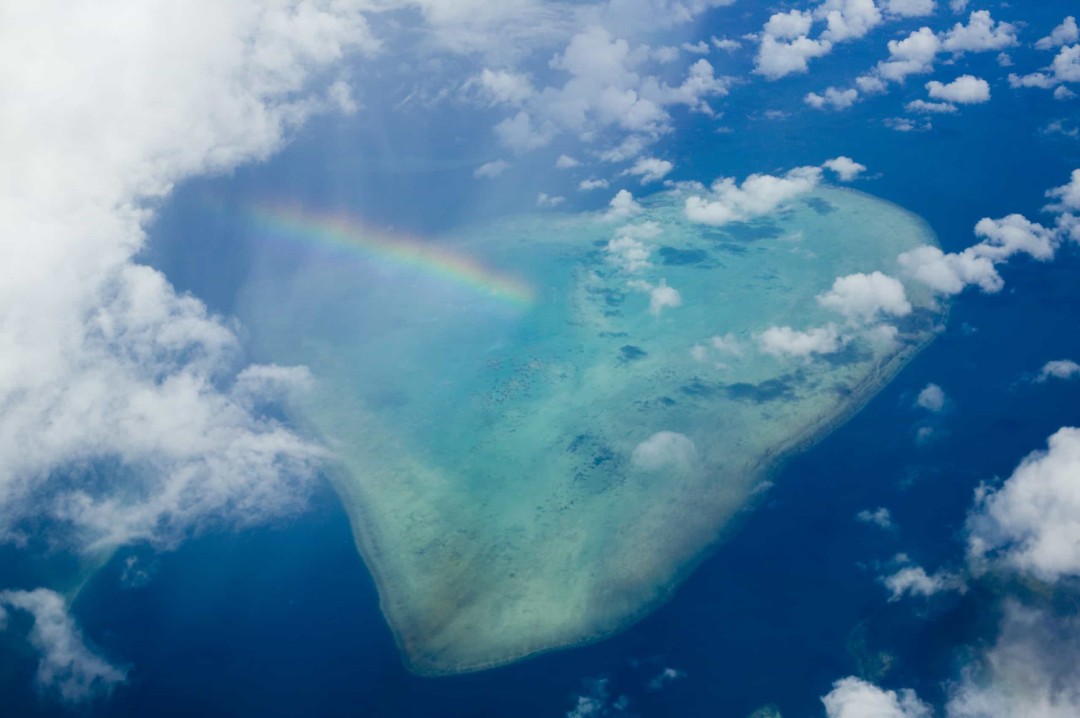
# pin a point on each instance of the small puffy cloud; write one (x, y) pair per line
(341, 96)
(546, 200)
(932, 398)
(1066, 33)
(628, 249)
(904, 124)
(881, 337)
(785, 341)
(605, 92)
(871, 84)
(650, 169)
(958, 6)
(1067, 196)
(664, 450)
(879, 517)
(1031, 522)
(1058, 369)
(981, 34)
(914, 55)
(1065, 68)
(849, 19)
(911, 8)
(505, 87)
(521, 134)
(727, 344)
(726, 44)
(1058, 127)
(1001, 240)
(566, 162)
(628, 149)
(845, 168)
(491, 170)
(598, 702)
(914, 581)
(864, 297)
(964, 90)
(779, 58)
(786, 48)
(832, 99)
(588, 185)
(663, 297)
(700, 82)
(789, 25)
(666, 676)
(664, 55)
(950, 273)
(1066, 64)
(622, 205)
(1015, 234)
(1038, 80)
(923, 107)
(759, 194)
(67, 665)
(1069, 226)
(853, 697)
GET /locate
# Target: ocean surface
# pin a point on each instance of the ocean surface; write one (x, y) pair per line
(284, 620)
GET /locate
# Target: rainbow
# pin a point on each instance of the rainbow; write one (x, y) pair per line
(341, 233)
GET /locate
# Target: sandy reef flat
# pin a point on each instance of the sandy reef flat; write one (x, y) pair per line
(524, 476)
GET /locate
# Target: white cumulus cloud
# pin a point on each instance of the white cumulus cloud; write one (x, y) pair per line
(964, 90)
(855, 698)
(865, 297)
(491, 170)
(1067, 33)
(911, 8)
(785, 341)
(1058, 369)
(849, 19)
(67, 665)
(833, 98)
(650, 169)
(1031, 670)
(664, 450)
(1032, 522)
(980, 34)
(930, 108)
(932, 398)
(729, 201)
(845, 168)
(663, 297)
(914, 55)
(915, 581)
(622, 205)
(880, 517)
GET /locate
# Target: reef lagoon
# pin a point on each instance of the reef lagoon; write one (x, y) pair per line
(541, 425)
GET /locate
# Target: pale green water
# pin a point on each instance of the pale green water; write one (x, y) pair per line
(488, 452)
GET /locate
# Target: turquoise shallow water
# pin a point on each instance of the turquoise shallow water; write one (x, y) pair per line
(525, 476)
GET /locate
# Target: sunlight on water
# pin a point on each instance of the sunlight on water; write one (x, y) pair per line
(537, 461)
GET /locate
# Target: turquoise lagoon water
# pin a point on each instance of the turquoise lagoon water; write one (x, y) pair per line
(522, 476)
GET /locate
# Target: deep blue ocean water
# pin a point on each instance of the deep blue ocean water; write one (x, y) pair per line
(284, 620)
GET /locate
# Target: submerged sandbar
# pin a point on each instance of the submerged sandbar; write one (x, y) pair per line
(538, 473)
